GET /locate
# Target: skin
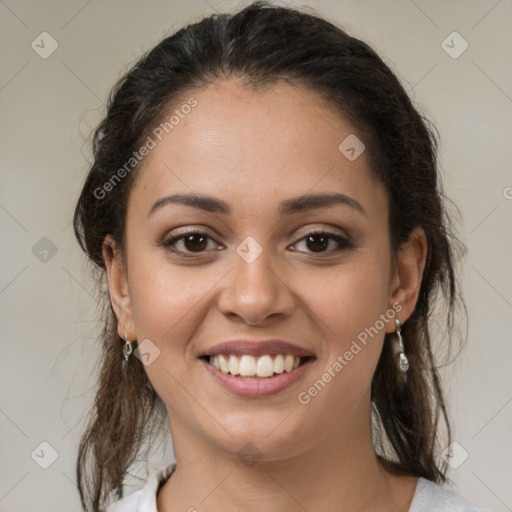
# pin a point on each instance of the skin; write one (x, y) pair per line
(254, 150)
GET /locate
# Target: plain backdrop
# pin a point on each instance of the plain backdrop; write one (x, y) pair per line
(48, 107)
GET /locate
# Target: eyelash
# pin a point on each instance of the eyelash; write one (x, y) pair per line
(343, 243)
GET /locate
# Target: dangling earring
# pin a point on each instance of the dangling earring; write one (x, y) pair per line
(398, 348)
(127, 350)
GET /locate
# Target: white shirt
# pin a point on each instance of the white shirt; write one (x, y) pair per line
(428, 497)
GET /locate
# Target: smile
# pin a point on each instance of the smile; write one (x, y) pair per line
(265, 366)
(253, 385)
(256, 368)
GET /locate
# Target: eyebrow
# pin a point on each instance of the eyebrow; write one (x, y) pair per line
(287, 207)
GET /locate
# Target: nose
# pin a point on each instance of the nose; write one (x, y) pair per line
(255, 292)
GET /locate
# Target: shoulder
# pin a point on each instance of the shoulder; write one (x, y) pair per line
(143, 500)
(431, 497)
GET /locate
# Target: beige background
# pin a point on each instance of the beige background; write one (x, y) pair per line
(48, 107)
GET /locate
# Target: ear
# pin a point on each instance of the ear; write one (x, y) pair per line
(118, 288)
(407, 276)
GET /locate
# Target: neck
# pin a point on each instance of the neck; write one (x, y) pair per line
(329, 471)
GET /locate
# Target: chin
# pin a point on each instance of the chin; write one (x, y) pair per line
(268, 435)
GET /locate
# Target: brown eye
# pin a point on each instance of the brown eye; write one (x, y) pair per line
(317, 243)
(195, 242)
(320, 242)
(190, 243)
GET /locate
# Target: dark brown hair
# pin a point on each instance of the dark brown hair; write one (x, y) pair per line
(260, 45)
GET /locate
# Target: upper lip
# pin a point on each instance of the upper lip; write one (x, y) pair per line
(256, 348)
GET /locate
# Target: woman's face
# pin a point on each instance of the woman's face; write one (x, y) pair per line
(287, 240)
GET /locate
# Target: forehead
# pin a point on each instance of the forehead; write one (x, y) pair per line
(253, 148)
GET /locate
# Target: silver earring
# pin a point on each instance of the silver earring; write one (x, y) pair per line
(402, 361)
(127, 350)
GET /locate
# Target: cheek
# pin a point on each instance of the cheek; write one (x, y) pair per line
(349, 298)
(168, 303)
(163, 296)
(348, 312)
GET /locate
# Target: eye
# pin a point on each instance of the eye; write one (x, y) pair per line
(320, 241)
(190, 243)
(198, 242)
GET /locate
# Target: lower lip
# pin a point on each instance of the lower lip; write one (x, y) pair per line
(257, 387)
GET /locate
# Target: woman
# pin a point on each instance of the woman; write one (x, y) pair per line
(265, 205)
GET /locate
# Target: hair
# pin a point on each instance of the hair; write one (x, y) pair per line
(260, 45)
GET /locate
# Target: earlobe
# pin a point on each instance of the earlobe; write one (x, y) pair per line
(411, 258)
(118, 287)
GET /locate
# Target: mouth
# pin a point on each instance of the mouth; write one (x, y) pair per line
(266, 366)
(256, 368)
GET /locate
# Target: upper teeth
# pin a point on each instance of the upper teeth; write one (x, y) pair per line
(249, 366)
